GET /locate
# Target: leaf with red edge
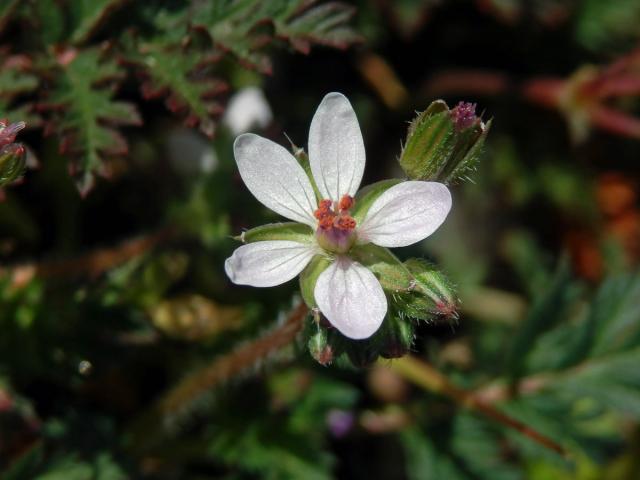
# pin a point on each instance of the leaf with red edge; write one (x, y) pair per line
(85, 113)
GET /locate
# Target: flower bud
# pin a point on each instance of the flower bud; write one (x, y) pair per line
(12, 162)
(320, 348)
(432, 293)
(397, 337)
(443, 144)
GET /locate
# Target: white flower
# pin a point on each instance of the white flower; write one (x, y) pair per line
(247, 108)
(347, 293)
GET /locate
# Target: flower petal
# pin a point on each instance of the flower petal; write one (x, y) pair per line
(275, 178)
(336, 148)
(351, 298)
(266, 264)
(405, 214)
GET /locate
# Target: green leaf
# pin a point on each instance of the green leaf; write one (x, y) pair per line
(48, 21)
(390, 271)
(88, 110)
(615, 314)
(607, 25)
(546, 310)
(309, 277)
(89, 15)
(614, 381)
(184, 77)
(234, 26)
(324, 24)
(424, 462)
(292, 231)
(366, 196)
(6, 10)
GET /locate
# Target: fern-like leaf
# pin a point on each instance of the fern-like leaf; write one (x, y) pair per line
(185, 79)
(84, 94)
(89, 15)
(233, 26)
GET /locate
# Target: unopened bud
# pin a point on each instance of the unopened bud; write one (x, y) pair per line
(432, 293)
(443, 144)
(320, 348)
(12, 162)
(398, 337)
(8, 131)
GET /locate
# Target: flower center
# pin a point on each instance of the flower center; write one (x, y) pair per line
(336, 228)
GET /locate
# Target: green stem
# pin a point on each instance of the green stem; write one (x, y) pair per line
(427, 377)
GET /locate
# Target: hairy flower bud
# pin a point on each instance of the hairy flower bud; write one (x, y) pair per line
(443, 144)
(398, 337)
(432, 293)
(320, 348)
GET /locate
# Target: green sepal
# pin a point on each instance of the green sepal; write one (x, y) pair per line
(303, 160)
(392, 274)
(466, 154)
(437, 149)
(309, 277)
(319, 346)
(292, 231)
(432, 293)
(365, 197)
(397, 333)
(428, 145)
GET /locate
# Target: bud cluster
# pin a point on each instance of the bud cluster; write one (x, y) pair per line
(421, 293)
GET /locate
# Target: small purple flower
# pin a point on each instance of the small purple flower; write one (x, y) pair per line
(340, 422)
(464, 115)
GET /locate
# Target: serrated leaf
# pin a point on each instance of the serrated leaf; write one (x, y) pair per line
(82, 88)
(88, 15)
(234, 26)
(614, 381)
(14, 82)
(546, 310)
(182, 77)
(324, 24)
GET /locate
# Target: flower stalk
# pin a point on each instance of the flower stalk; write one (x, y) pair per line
(428, 378)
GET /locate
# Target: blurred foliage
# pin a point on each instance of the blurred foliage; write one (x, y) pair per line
(80, 52)
(126, 353)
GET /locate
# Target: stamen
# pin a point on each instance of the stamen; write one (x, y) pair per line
(345, 223)
(336, 228)
(346, 202)
(324, 210)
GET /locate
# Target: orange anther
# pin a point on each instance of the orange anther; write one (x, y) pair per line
(345, 223)
(346, 202)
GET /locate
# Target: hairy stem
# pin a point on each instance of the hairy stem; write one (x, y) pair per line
(238, 361)
(428, 378)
